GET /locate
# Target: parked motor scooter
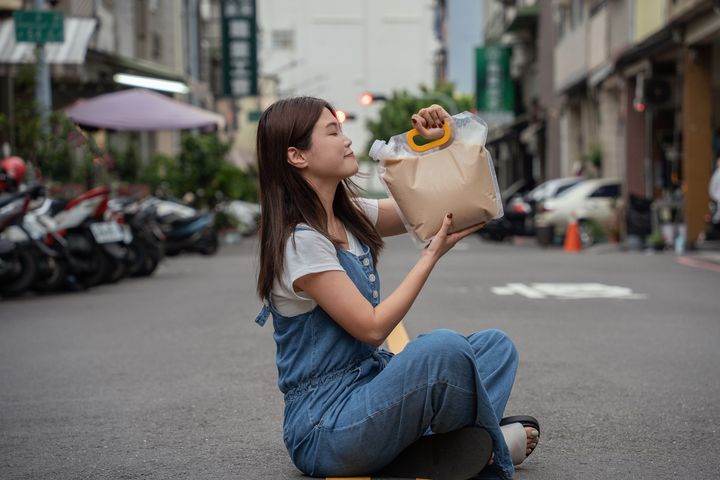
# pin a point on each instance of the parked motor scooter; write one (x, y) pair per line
(24, 258)
(185, 228)
(98, 246)
(146, 248)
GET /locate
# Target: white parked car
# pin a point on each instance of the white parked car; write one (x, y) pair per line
(552, 188)
(591, 202)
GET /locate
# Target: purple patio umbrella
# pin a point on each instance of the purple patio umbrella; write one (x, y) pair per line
(139, 109)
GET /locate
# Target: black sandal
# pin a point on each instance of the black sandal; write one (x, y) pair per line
(525, 420)
(456, 455)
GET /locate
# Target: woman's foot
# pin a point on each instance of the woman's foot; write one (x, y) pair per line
(521, 440)
(532, 439)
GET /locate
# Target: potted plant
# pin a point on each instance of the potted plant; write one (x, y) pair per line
(656, 241)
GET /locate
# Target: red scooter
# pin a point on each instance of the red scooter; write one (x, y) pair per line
(97, 247)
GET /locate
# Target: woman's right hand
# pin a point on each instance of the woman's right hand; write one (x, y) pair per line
(429, 121)
(442, 242)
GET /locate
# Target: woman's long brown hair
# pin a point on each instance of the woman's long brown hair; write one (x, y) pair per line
(287, 199)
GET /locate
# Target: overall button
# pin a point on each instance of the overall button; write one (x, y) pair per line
(375, 294)
(366, 262)
(372, 277)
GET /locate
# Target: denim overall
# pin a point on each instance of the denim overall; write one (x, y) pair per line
(350, 408)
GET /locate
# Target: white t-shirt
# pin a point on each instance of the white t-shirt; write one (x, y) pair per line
(312, 253)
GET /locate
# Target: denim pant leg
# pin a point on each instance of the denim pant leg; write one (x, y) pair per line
(433, 383)
(497, 362)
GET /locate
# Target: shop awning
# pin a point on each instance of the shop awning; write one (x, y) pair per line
(141, 110)
(78, 31)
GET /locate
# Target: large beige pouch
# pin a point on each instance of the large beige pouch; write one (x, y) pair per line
(453, 174)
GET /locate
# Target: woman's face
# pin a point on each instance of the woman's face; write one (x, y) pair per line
(330, 155)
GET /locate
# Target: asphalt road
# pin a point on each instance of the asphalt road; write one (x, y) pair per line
(169, 377)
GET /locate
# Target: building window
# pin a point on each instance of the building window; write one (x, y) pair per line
(156, 46)
(283, 40)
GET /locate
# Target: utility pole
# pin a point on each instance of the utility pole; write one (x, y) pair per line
(193, 42)
(43, 94)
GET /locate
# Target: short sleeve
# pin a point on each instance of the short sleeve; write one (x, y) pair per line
(370, 207)
(310, 253)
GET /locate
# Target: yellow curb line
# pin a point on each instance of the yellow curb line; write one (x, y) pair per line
(398, 338)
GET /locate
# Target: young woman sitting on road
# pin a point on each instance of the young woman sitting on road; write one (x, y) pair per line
(352, 408)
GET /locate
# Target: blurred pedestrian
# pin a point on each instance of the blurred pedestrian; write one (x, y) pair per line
(714, 191)
(351, 407)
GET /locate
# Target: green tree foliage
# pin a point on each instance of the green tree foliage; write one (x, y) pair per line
(50, 152)
(401, 105)
(127, 163)
(200, 168)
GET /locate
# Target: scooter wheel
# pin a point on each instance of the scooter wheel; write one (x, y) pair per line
(210, 243)
(56, 278)
(99, 269)
(16, 285)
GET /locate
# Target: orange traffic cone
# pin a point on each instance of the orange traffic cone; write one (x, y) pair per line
(573, 243)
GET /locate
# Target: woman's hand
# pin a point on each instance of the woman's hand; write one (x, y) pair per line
(429, 121)
(442, 242)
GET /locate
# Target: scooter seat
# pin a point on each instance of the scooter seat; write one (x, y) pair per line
(57, 206)
(10, 197)
(182, 222)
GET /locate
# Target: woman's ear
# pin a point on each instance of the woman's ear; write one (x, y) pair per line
(296, 158)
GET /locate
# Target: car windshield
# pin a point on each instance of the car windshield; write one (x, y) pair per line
(564, 188)
(568, 191)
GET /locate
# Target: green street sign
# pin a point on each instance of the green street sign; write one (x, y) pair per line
(239, 47)
(36, 26)
(254, 115)
(494, 88)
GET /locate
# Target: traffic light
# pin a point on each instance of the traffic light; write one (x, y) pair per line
(343, 116)
(368, 98)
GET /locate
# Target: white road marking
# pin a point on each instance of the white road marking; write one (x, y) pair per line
(525, 291)
(567, 291)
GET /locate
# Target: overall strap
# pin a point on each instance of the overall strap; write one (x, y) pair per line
(264, 314)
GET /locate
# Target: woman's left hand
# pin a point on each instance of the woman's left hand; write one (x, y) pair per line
(429, 121)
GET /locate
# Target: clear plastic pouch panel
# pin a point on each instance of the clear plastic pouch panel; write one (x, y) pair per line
(453, 174)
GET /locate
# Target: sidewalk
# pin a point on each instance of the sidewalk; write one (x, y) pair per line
(706, 256)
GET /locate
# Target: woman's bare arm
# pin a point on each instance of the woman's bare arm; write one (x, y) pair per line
(335, 292)
(389, 222)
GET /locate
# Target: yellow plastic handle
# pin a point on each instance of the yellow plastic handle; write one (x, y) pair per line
(423, 148)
